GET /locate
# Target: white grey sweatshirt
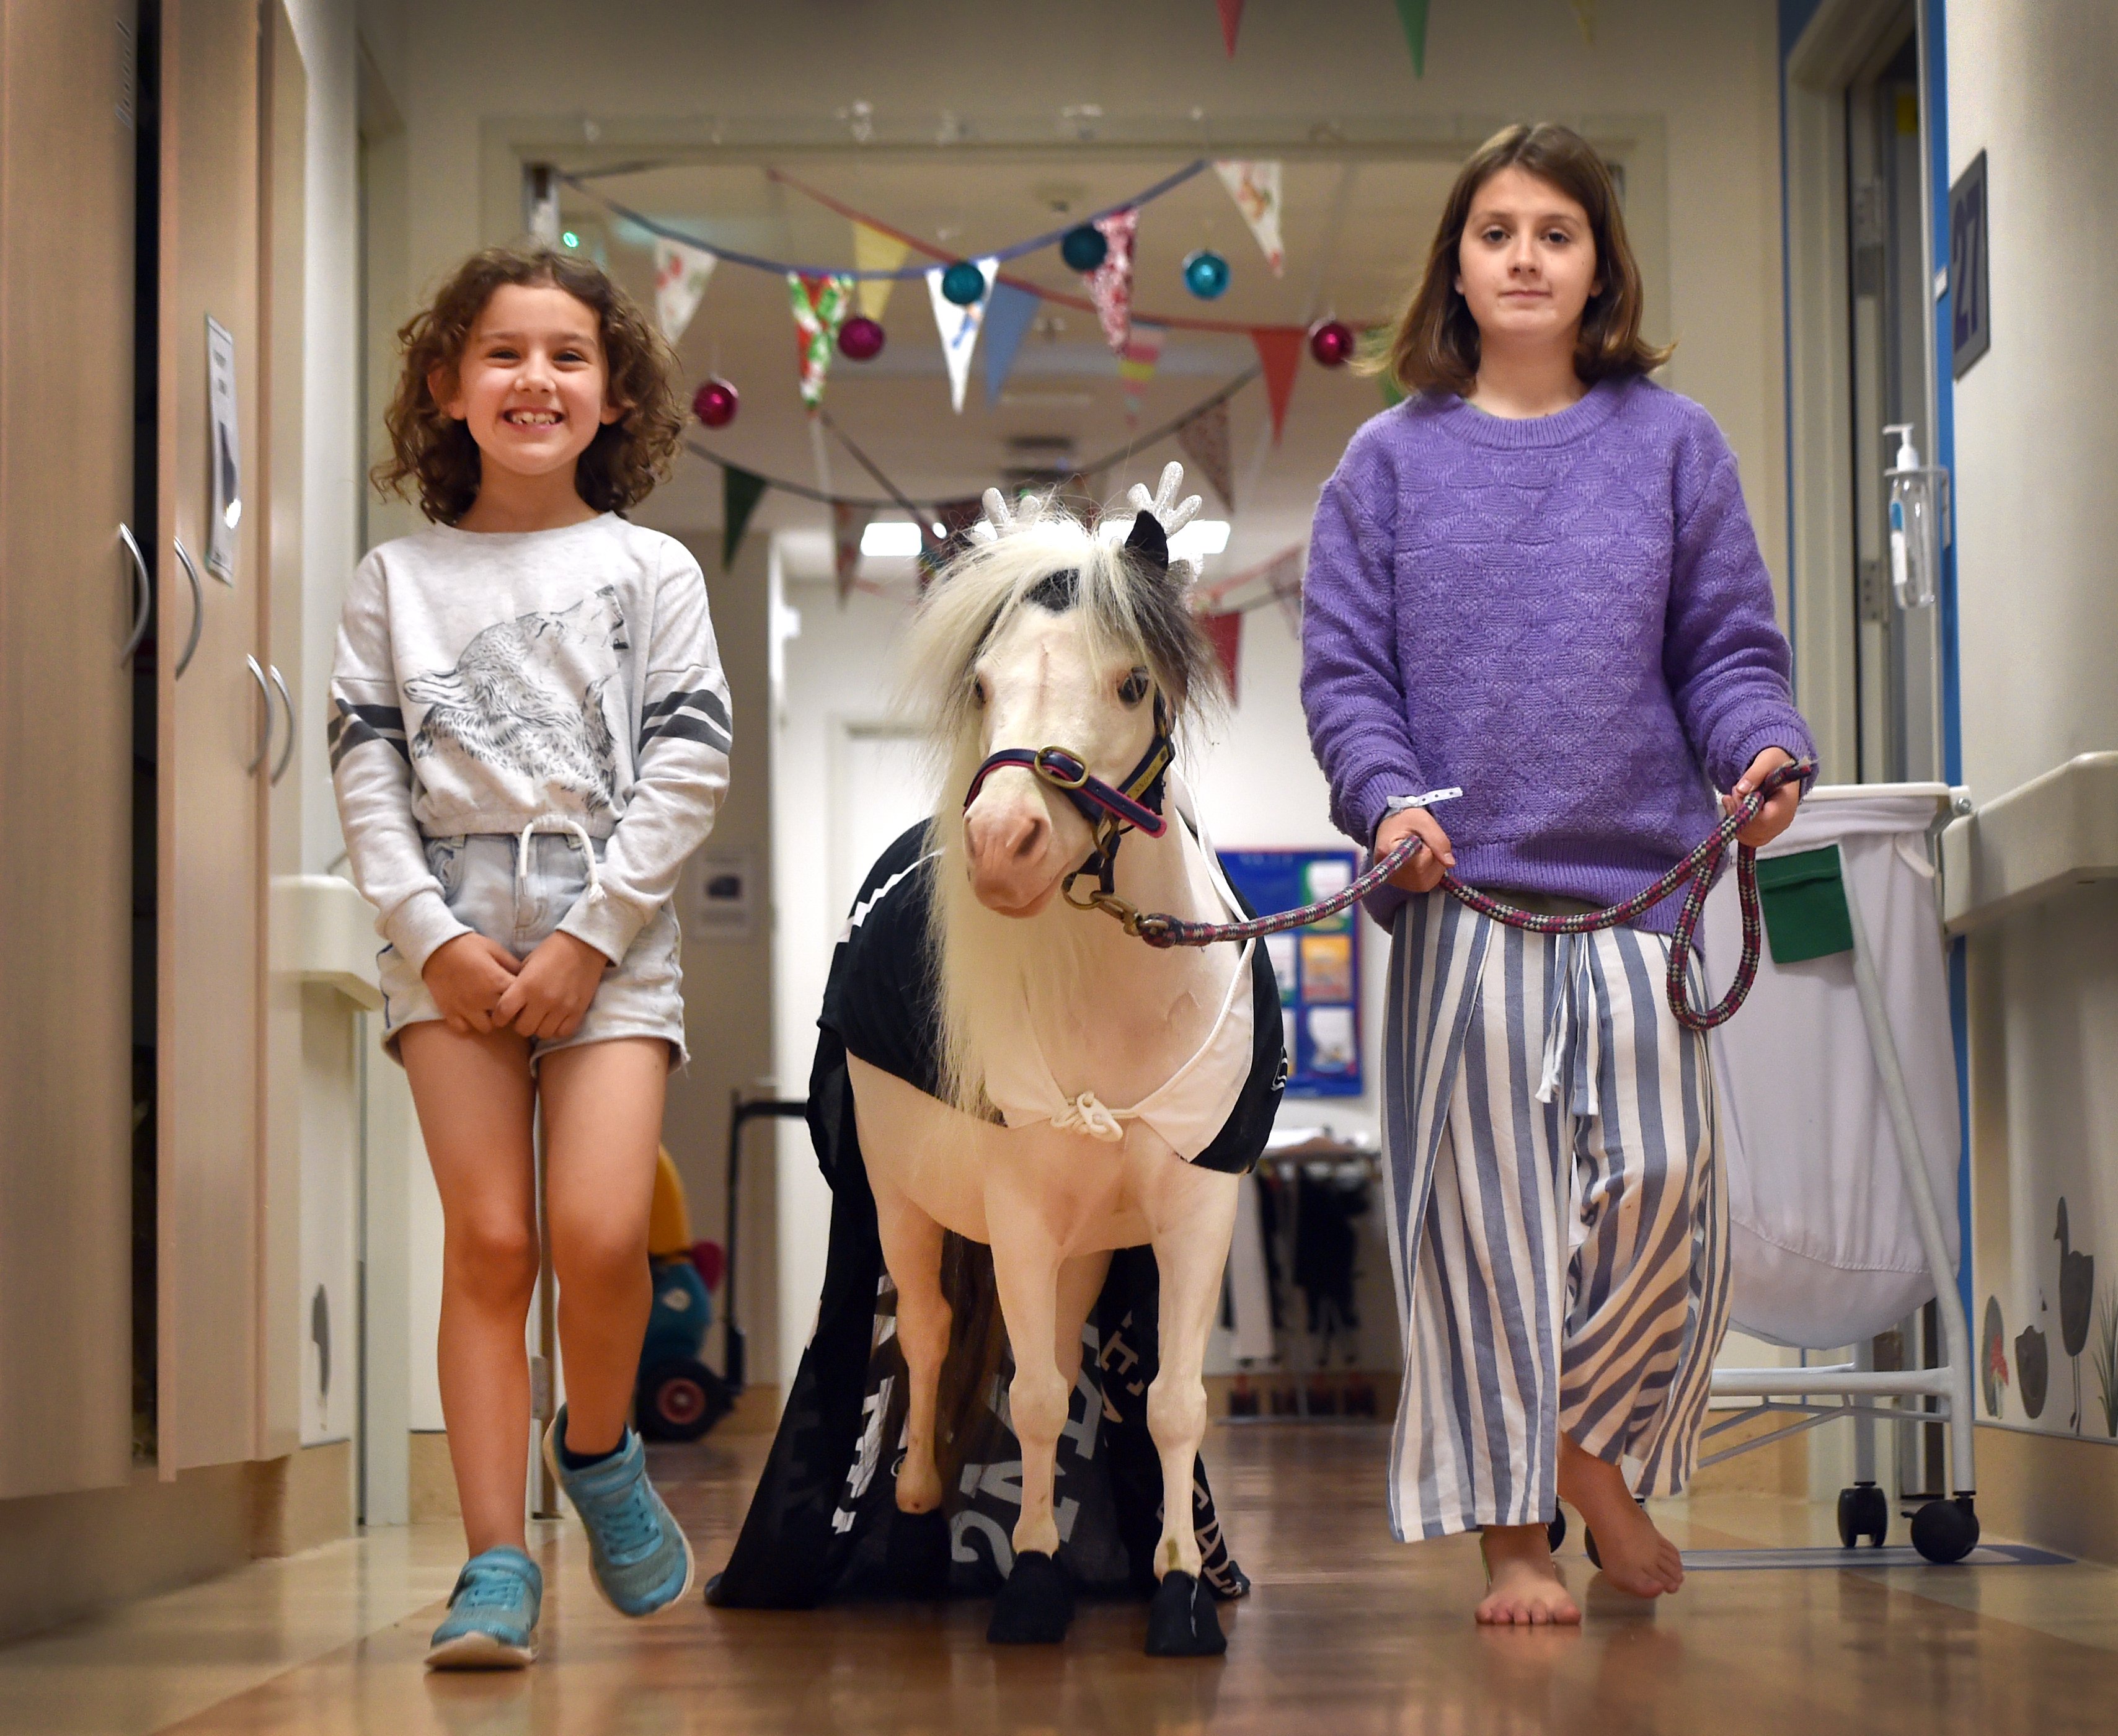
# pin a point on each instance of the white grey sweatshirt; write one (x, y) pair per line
(485, 682)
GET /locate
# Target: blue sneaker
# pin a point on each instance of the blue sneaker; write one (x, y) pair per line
(492, 1622)
(640, 1560)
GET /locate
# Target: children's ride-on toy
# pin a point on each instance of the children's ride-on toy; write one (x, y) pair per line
(678, 1397)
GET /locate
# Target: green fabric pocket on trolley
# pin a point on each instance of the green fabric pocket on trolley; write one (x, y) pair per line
(1803, 897)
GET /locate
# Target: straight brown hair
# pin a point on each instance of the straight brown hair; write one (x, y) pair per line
(1435, 348)
(434, 455)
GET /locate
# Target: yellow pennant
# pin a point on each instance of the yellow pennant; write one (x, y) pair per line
(873, 251)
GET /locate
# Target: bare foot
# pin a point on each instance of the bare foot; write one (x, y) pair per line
(1525, 1588)
(1637, 1558)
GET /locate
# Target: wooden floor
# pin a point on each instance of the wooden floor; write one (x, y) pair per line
(1346, 1633)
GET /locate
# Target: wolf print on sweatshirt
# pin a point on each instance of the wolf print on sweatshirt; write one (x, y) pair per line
(560, 678)
(516, 698)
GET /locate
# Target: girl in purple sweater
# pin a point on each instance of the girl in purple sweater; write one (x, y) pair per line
(1534, 581)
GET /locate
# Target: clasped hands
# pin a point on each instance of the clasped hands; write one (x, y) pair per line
(481, 987)
(1423, 873)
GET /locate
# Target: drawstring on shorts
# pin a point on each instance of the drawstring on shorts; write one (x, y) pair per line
(557, 824)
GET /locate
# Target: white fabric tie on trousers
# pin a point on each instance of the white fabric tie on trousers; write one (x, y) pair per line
(557, 823)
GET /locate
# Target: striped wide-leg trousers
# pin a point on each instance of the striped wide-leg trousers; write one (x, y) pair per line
(1558, 1224)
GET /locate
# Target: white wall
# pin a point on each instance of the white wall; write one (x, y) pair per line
(2030, 84)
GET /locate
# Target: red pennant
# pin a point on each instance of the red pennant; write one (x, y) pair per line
(1225, 633)
(1279, 354)
(1232, 20)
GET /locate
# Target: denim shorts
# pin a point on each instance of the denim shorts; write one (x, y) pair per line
(489, 886)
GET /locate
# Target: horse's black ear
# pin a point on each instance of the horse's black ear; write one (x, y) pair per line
(1149, 541)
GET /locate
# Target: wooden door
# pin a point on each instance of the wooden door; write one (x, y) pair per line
(285, 1320)
(211, 763)
(67, 604)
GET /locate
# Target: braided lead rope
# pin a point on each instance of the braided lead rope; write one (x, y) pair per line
(1696, 872)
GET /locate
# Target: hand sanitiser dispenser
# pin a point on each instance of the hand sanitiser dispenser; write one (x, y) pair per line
(1916, 495)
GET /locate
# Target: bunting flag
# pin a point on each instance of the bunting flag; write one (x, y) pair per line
(740, 491)
(1110, 285)
(1255, 186)
(821, 306)
(1224, 632)
(1283, 578)
(1136, 364)
(1585, 15)
(681, 275)
(960, 326)
(1010, 313)
(1204, 441)
(848, 523)
(1232, 20)
(873, 251)
(1412, 14)
(1279, 358)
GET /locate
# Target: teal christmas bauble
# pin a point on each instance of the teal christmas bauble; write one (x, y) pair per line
(964, 283)
(1084, 249)
(1206, 275)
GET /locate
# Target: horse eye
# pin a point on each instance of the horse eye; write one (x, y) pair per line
(978, 692)
(1133, 688)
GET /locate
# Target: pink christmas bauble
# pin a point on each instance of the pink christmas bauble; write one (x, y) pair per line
(716, 402)
(1331, 342)
(860, 339)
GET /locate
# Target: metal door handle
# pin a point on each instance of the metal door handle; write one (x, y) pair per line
(286, 699)
(143, 595)
(198, 609)
(265, 693)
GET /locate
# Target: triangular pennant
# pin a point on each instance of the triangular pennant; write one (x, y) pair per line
(1412, 14)
(873, 251)
(1136, 365)
(1204, 441)
(1224, 632)
(1255, 186)
(1585, 15)
(740, 493)
(681, 275)
(821, 306)
(1110, 285)
(1282, 577)
(1280, 356)
(1010, 313)
(960, 326)
(848, 523)
(1232, 20)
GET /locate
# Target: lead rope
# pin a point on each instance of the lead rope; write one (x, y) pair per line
(1696, 872)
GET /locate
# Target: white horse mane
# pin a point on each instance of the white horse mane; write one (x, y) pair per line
(1131, 610)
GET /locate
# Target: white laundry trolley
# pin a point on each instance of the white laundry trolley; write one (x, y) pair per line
(1838, 1117)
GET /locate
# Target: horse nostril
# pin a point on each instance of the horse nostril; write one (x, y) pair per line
(1029, 841)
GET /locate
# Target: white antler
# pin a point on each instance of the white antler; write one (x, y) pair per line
(1001, 520)
(1173, 517)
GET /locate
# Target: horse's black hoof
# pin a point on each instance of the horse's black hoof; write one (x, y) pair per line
(1180, 1622)
(916, 1553)
(1035, 1606)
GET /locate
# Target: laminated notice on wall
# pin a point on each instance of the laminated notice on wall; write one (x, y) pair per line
(225, 456)
(1317, 969)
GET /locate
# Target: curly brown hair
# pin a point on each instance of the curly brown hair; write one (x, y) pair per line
(433, 452)
(1435, 347)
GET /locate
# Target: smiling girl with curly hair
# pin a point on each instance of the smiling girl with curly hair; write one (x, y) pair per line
(529, 733)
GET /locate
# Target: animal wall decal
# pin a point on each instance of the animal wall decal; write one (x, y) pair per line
(2031, 1365)
(2077, 1292)
(1993, 1357)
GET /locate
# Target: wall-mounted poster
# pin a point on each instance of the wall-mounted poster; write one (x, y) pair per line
(1318, 967)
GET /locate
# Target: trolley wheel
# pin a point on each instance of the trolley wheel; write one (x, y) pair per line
(1863, 1511)
(1555, 1533)
(1946, 1531)
(679, 1400)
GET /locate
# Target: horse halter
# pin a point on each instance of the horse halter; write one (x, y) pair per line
(1111, 810)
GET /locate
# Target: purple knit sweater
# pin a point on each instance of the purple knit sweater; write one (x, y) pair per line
(1567, 616)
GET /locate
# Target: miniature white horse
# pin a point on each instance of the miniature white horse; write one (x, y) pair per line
(1061, 1031)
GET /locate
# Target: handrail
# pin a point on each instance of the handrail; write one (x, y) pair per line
(2056, 832)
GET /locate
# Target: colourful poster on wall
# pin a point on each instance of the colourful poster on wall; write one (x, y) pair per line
(1318, 968)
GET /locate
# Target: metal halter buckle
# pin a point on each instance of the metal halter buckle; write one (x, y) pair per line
(1045, 764)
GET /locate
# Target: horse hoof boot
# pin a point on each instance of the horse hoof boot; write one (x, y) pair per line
(1035, 1606)
(916, 1553)
(1180, 1621)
